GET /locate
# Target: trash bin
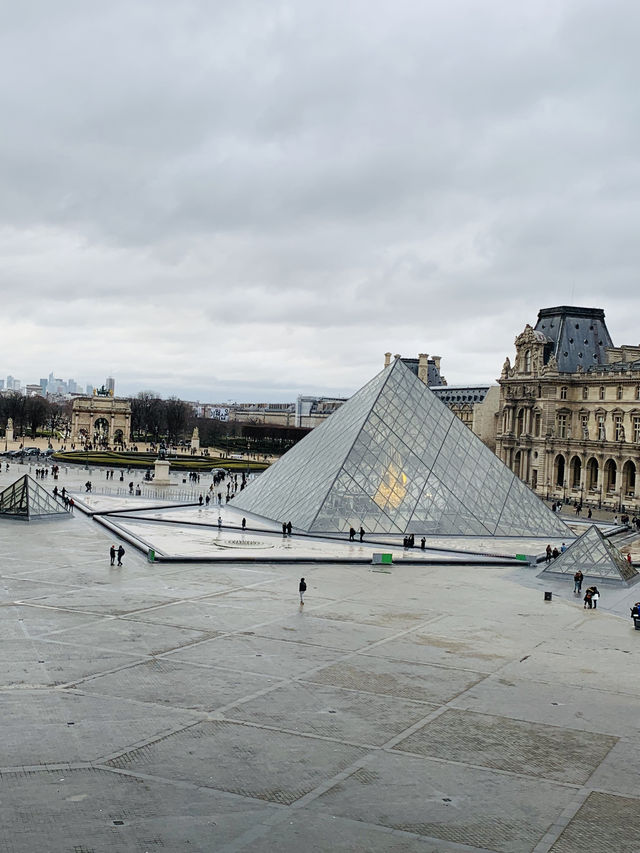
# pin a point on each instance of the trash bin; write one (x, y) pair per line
(548, 596)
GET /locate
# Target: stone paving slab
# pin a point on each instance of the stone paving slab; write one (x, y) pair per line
(316, 631)
(582, 708)
(76, 811)
(135, 637)
(618, 773)
(112, 600)
(332, 712)
(26, 621)
(205, 615)
(465, 805)
(599, 668)
(178, 685)
(532, 749)
(604, 823)
(67, 727)
(420, 647)
(369, 613)
(249, 653)
(421, 682)
(38, 663)
(14, 588)
(316, 833)
(228, 756)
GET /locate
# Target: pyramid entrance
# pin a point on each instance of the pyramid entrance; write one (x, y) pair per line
(394, 459)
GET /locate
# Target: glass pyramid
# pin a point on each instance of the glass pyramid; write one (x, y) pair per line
(594, 556)
(26, 499)
(394, 459)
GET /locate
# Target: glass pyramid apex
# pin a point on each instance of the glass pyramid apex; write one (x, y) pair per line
(595, 556)
(395, 459)
(26, 499)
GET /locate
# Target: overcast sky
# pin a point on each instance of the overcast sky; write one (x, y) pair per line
(252, 200)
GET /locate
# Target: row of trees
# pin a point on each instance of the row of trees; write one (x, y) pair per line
(30, 414)
(152, 419)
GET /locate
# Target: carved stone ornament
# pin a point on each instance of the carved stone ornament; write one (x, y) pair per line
(506, 367)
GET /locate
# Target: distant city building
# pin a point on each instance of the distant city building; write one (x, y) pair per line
(34, 390)
(101, 420)
(110, 384)
(569, 416)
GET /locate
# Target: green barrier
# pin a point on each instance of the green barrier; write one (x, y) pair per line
(151, 555)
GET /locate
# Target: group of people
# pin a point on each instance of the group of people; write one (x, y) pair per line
(113, 554)
(352, 534)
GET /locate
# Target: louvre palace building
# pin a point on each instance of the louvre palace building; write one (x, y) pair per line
(568, 420)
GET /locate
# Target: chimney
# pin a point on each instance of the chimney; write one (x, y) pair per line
(423, 368)
(436, 361)
(397, 356)
(387, 359)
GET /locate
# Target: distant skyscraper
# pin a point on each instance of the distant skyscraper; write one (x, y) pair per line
(43, 386)
(89, 390)
(110, 384)
(1, 384)
(72, 386)
(9, 383)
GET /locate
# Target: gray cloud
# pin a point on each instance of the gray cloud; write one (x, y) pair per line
(257, 200)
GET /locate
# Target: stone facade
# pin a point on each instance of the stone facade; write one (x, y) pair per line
(100, 421)
(569, 412)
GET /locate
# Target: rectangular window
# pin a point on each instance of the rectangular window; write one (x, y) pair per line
(585, 392)
(563, 392)
(619, 394)
(602, 392)
(636, 429)
(537, 424)
(602, 434)
(562, 426)
(618, 425)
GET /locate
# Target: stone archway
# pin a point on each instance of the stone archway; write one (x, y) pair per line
(610, 475)
(629, 479)
(575, 472)
(558, 470)
(593, 471)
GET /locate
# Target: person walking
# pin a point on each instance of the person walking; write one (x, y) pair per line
(288, 528)
(361, 533)
(302, 588)
(219, 522)
(244, 523)
(112, 554)
(548, 554)
(120, 554)
(577, 582)
(352, 534)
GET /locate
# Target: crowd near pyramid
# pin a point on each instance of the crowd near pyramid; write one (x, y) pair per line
(394, 459)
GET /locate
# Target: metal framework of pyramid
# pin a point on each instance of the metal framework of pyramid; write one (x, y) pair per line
(26, 499)
(594, 556)
(395, 459)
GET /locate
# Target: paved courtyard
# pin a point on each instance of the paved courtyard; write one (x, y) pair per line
(199, 707)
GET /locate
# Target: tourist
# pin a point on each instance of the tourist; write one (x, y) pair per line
(352, 534)
(423, 543)
(219, 522)
(577, 582)
(120, 554)
(284, 528)
(629, 557)
(302, 588)
(548, 554)
(361, 533)
(555, 553)
(200, 500)
(595, 595)
(588, 602)
(589, 514)
(563, 548)
(112, 554)
(244, 523)
(288, 528)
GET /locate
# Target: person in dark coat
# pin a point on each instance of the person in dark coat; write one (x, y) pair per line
(288, 528)
(120, 554)
(595, 595)
(112, 554)
(352, 534)
(302, 588)
(361, 533)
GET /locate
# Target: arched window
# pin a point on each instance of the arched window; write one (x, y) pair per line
(592, 474)
(576, 471)
(527, 361)
(610, 473)
(619, 392)
(602, 392)
(559, 470)
(563, 392)
(629, 479)
(585, 392)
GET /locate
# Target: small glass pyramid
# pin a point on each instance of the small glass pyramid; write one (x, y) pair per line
(394, 459)
(26, 499)
(594, 556)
